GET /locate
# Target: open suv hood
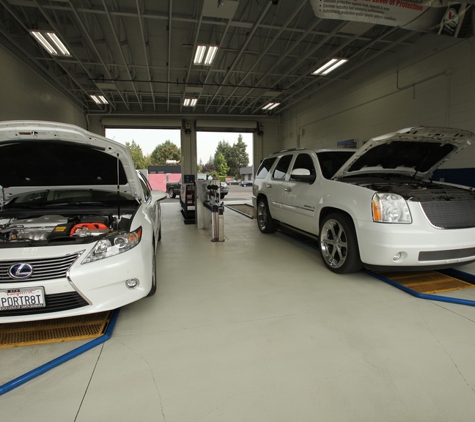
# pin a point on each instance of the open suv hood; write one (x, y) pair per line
(415, 152)
(35, 155)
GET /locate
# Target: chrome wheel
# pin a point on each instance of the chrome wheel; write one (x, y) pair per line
(265, 222)
(338, 244)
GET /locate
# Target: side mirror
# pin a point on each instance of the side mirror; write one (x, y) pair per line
(302, 175)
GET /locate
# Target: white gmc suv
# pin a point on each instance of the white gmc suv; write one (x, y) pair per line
(376, 206)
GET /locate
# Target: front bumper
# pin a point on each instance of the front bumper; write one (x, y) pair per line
(409, 246)
(84, 288)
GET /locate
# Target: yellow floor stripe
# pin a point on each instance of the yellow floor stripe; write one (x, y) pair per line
(54, 330)
(427, 281)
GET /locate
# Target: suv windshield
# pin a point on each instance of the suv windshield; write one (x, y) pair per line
(331, 161)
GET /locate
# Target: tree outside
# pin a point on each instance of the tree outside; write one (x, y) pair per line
(235, 156)
(140, 161)
(220, 164)
(163, 152)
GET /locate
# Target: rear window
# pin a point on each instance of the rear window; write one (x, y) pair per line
(265, 167)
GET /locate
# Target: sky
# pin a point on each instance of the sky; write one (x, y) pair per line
(207, 142)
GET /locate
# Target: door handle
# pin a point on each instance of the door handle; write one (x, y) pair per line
(269, 185)
(288, 189)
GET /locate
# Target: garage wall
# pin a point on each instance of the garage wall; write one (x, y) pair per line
(430, 83)
(25, 95)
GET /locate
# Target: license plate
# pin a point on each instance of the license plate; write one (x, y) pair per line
(24, 298)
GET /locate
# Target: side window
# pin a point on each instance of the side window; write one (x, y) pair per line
(303, 165)
(265, 167)
(282, 167)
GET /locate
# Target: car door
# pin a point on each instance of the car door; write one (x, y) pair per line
(275, 186)
(299, 200)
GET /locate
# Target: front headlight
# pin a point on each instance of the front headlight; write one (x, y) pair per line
(114, 244)
(390, 208)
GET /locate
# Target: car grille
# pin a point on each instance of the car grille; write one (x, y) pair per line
(54, 303)
(43, 269)
(450, 214)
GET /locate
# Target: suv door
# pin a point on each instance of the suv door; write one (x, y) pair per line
(299, 202)
(274, 186)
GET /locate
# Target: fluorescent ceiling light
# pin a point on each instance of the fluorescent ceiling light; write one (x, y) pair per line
(190, 102)
(99, 99)
(205, 54)
(270, 106)
(329, 66)
(51, 43)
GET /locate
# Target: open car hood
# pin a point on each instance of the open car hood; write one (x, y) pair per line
(35, 155)
(415, 152)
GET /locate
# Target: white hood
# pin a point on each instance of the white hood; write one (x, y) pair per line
(416, 151)
(36, 155)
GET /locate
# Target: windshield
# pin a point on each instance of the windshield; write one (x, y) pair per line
(331, 161)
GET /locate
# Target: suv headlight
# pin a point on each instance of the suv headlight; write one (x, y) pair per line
(390, 208)
(114, 244)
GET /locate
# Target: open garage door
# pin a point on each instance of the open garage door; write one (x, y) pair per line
(140, 123)
(143, 143)
(226, 125)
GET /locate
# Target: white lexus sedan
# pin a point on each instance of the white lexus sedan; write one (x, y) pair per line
(79, 225)
(377, 207)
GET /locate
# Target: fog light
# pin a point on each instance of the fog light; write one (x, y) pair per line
(400, 256)
(132, 283)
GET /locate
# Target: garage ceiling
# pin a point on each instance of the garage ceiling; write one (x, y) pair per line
(138, 54)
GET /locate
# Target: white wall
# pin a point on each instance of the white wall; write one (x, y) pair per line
(431, 83)
(25, 95)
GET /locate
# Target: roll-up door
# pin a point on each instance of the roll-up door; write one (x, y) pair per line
(226, 125)
(142, 123)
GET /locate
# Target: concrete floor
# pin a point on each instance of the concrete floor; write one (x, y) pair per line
(255, 329)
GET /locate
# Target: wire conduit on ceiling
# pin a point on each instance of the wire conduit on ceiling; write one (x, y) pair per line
(22, 379)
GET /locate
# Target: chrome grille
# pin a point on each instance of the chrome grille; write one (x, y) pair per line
(450, 214)
(43, 269)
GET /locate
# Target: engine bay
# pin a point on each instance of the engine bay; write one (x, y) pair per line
(413, 189)
(47, 229)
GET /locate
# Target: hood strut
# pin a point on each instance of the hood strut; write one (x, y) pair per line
(118, 191)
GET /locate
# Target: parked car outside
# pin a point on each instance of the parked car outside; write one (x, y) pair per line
(173, 189)
(223, 190)
(246, 183)
(79, 225)
(375, 207)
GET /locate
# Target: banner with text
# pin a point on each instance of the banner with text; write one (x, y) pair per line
(417, 15)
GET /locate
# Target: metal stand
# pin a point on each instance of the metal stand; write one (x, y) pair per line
(187, 199)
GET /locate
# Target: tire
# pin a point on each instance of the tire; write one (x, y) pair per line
(171, 193)
(339, 245)
(265, 222)
(154, 272)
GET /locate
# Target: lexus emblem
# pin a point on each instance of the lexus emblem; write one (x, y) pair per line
(20, 271)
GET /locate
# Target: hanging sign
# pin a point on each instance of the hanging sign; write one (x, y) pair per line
(416, 15)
